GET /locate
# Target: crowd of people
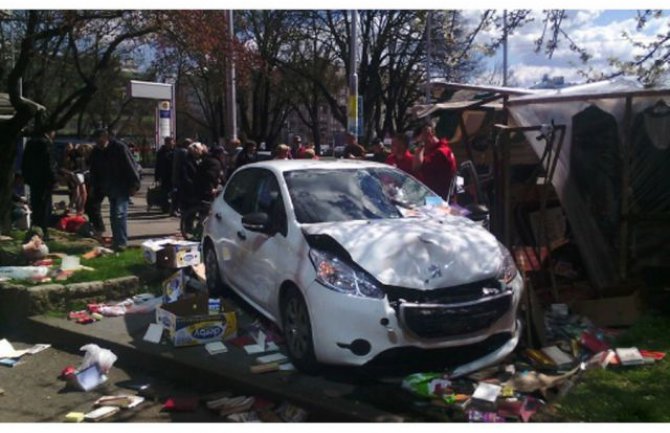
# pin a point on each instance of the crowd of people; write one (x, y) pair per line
(190, 173)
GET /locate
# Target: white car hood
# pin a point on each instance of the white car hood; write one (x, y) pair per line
(418, 253)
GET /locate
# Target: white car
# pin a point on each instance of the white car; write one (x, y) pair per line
(352, 259)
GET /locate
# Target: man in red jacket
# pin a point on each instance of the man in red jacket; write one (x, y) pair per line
(434, 162)
(400, 156)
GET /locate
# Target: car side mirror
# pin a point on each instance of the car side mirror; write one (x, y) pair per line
(256, 222)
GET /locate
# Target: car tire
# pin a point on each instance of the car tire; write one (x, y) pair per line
(215, 285)
(298, 332)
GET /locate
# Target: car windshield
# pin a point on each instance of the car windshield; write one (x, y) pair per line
(329, 195)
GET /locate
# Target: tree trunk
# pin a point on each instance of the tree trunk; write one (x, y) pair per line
(8, 137)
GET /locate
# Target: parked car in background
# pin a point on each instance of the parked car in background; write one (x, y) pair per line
(352, 259)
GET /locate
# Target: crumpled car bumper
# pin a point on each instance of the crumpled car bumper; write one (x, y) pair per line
(352, 330)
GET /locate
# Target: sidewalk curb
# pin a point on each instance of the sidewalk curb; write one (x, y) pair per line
(18, 302)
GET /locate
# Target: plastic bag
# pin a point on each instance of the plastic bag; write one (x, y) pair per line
(96, 355)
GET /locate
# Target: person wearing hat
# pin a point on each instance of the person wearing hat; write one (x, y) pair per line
(113, 174)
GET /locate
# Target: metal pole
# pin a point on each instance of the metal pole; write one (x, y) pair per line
(353, 76)
(504, 80)
(429, 27)
(232, 109)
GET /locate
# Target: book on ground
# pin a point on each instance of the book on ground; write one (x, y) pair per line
(629, 356)
(559, 358)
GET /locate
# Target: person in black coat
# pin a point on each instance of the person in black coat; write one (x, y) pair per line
(188, 188)
(247, 155)
(39, 170)
(210, 174)
(115, 175)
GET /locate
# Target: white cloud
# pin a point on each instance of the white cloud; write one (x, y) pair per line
(586, 29)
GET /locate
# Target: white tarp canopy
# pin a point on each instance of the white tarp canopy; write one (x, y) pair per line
(590, 174)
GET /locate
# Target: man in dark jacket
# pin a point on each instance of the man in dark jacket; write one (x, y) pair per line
(178, 165)
(188, 187)
(163, 170)
(113, 175)
(39, 170)
(247, 155)
(210, 174)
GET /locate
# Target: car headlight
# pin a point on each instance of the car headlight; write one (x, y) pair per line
(507, 270)
(334, 274)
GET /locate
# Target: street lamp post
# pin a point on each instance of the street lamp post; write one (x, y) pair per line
(232, 115)
(353, 76)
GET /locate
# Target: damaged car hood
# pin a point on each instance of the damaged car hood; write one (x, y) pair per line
(418, 253)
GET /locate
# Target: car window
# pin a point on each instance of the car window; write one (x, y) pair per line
(269, 201)
(352, 194)
(241, 190)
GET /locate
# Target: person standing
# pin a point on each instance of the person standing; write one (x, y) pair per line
(247, 155)
(163, 171)
(353, 150)
(113, 175)
(178, 164)
(210, 173)
(39, 170)
(379, 152)
(282, 152)
(434, 162)
(400, 156)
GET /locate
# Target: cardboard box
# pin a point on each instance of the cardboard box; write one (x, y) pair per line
(151, 247)
(189, 323)
(615, 311)
(180, 283)
(174, 287)
(179, 254)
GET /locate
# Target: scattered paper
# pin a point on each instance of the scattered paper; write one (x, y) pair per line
(252, 349)
(261, 339)
(154, 333)
(101, 413)
(487, 392)
(275, 357)
(10, 362)
(38, 348)
(216, 347)
(287, 367)
(122, 401)
(8, 351)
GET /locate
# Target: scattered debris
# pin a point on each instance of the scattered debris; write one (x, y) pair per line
(264, 368)
(154, 333)
(122, 401)
(74, 417)
(215, 348)
(101, 413)
(181, 404)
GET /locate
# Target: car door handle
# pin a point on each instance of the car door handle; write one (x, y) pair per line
(241, 235)
(218, 216)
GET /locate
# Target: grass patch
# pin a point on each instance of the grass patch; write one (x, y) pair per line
(625, 394)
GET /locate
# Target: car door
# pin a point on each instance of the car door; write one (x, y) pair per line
(266, 256)
(239, 199)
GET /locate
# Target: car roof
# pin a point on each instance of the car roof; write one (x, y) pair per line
(285, 165)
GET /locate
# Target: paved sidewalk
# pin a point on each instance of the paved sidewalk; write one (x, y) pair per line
(337, 395)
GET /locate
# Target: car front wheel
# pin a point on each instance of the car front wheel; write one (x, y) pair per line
(215, 285)
(298, 332)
